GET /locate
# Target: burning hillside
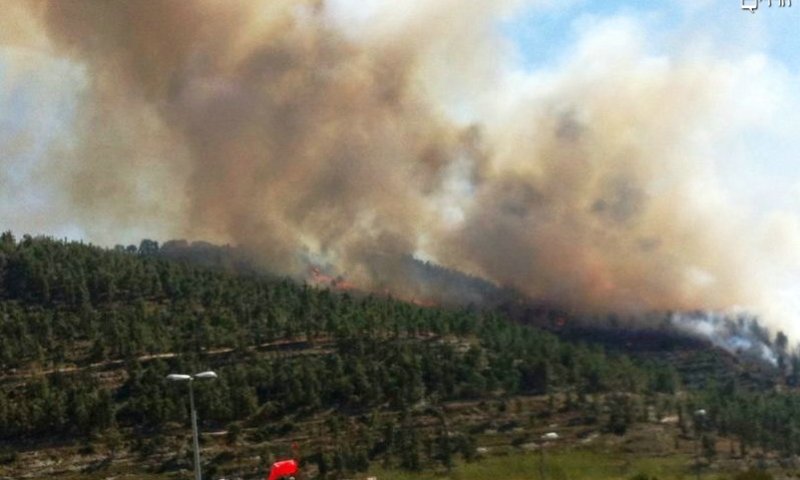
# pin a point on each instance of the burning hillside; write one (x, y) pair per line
(317, 277)
(736, 332)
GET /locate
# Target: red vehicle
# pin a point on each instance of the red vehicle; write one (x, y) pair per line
(284, 470)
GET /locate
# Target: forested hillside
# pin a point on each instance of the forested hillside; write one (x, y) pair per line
(87, 336)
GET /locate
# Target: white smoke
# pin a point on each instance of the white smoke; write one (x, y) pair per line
(735, 332)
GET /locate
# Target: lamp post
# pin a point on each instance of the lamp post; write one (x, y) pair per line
(699, 425)
(180, 377)
(544, 438)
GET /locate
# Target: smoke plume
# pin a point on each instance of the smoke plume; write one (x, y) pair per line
(310, 133)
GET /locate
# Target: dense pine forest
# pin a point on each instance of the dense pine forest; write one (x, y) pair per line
(87, 336)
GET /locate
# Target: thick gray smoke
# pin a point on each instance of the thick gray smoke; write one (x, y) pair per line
(307, 134)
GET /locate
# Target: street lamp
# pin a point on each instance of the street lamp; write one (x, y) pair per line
(544, 438)
(180, 377)
(699, 425)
